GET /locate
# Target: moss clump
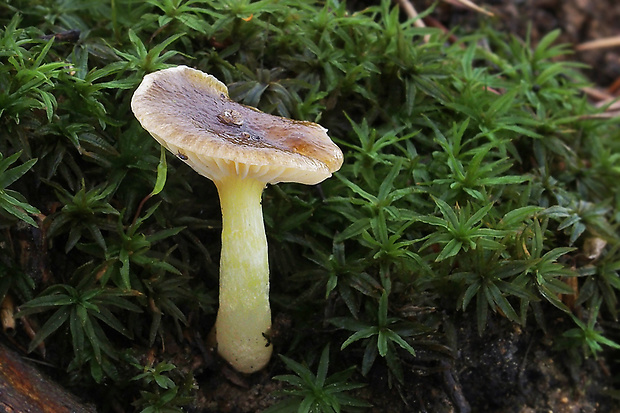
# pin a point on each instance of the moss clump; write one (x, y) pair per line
(477, 180)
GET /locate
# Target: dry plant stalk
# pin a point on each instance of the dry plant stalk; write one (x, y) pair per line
(606, 42)
(470, 5)
(411, 12)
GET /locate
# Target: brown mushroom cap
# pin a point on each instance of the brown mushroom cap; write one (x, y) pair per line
(189, 112)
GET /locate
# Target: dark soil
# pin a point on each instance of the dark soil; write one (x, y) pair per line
(509, 369)
(512, 369)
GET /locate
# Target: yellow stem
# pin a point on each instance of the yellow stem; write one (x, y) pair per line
(244, 316)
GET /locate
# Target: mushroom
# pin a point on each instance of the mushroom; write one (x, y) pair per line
(241, 149)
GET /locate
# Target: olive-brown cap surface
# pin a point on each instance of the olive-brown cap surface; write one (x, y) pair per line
(189, 112)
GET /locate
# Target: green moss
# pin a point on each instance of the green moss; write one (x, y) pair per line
(474, 177)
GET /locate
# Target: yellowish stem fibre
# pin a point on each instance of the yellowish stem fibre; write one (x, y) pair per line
(244, 316)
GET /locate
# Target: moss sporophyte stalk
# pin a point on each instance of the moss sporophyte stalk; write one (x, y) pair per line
(241, 150)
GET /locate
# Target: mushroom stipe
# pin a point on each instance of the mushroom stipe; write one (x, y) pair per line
(241, 149)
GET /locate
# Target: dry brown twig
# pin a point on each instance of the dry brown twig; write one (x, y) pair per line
(597, 94)
(606, 42)
(470, 5)
(603, 98)
(609, 96)
(412, 13)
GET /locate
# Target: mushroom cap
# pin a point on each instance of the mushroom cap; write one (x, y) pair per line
(189, 112)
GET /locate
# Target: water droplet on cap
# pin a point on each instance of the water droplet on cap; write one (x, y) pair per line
(231, 117)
